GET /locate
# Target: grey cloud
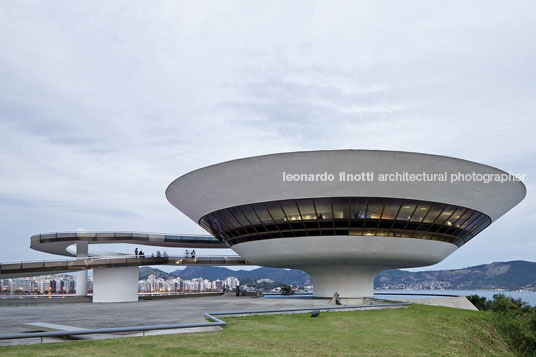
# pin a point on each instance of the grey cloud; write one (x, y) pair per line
(102, 106)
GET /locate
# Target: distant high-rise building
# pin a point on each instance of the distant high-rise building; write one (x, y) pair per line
(232, 282)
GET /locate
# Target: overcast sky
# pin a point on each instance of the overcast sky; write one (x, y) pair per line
(103, 104)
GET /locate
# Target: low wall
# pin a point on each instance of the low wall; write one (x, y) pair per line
(458, 302)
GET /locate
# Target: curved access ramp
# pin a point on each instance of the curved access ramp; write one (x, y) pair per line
(115, 275)
(59, 242)
(43, 267)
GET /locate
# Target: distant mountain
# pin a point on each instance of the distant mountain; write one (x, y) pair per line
(290, 276)
(146, 271)
(505, 275)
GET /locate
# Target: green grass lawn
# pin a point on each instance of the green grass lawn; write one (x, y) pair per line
(416, 331)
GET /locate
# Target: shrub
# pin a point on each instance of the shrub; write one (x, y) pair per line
(480, 302)
(518, 329)
(513, 318)
(502, 303)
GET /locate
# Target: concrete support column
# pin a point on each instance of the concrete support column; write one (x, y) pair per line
(81, 276)
(350, 281)
(115, 284)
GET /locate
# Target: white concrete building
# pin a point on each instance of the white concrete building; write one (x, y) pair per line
(343, 216)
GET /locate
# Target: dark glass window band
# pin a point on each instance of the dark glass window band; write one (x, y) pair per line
(348, 216)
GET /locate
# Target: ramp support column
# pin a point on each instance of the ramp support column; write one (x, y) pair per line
(81, 276)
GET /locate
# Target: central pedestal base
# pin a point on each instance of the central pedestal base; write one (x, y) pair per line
(349, 281)
(115, 284)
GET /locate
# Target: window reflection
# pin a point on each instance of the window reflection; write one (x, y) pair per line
(456, 215)
(375, 208)
(291, 210)
(307, 209)
(476, 222)
(391, 210)
(261, 212)
(221, 222)
(237, 214)
(275, 211)
(250, 214)
(228, 217)
(470, 220)
(445, 215)
(323, 208)
(468, 213)
(406, 211)
(340, 208)
(358, 207)
(434, 212)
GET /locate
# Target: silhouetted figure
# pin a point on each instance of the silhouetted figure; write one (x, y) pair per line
(187, 253)
(136, 252)
(193, 253)
(337, 299)
(238, 290)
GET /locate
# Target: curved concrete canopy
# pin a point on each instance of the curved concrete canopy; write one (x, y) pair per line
(59, 243)
(260, 179)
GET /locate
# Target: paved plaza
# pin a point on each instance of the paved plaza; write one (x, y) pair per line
(144, 312)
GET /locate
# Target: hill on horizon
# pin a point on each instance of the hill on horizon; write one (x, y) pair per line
(512, 275)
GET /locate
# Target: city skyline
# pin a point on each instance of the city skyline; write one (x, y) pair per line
(65, 284)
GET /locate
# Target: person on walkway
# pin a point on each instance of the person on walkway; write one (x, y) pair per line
(136, 251)
(187, 253)
(193, 253)
(337, 299)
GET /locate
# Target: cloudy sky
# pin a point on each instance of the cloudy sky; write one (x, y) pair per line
(103, 104)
